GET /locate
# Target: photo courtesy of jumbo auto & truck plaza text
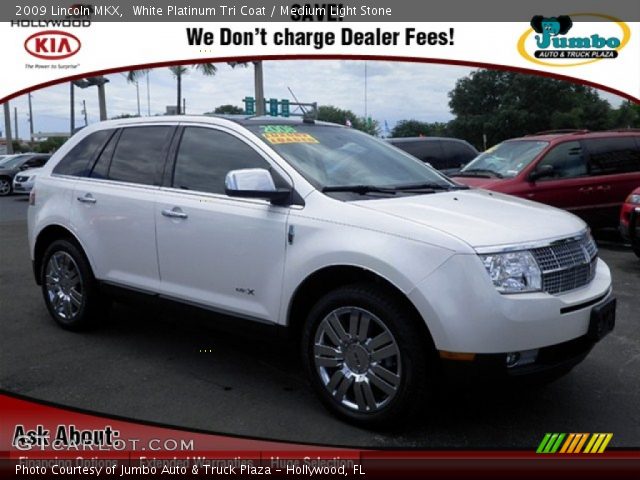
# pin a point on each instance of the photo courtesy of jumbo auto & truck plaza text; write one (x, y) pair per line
(363, 239)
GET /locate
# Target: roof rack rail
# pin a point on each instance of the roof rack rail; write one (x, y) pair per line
(566, 131)
(628, 129)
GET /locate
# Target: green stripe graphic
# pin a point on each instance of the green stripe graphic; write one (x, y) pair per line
(543, 443)
(551, 443)
(555, 448)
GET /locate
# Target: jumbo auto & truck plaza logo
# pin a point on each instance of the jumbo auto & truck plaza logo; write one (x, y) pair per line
(563, 41)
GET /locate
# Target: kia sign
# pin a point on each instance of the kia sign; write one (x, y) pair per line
(52, 45)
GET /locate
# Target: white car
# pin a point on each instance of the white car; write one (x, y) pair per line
(23, 182)
(383, 269)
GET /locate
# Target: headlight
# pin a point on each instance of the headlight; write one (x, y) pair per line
(513, 272)
(635, 199)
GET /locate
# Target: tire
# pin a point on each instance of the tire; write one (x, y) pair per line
(386, 370)
(5, 186)
(69, 288)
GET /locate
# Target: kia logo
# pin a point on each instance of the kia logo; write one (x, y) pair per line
(52, 45)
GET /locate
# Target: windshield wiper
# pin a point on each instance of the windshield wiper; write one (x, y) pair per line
(420, 187)
(479, 172)
(361, 189)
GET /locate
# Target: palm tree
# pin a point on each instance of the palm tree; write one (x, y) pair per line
(207, 69)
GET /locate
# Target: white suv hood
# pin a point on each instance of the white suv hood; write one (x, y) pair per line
(481, 218)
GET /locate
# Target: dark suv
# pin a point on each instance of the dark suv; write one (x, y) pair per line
(588, 173)
(11, 165)
(445, 154)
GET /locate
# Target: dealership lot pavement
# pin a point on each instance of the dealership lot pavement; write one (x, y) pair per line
(147, 364)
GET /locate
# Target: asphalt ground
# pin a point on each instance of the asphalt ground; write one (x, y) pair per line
(148, 364)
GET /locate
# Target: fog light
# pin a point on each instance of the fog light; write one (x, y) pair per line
(512, 359)
(521, 358)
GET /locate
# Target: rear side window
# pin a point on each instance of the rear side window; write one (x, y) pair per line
(567, 160)
(78, 161)
(140, 154)
(458, 153)
(205, 156)
(427, 151)
(608, 156)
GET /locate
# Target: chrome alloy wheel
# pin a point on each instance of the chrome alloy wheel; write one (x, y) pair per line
(5, 187)
(64, 285)
(358, 359)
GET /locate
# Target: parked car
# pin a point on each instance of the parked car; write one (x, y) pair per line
(630, 220)
(14, 164)
(442, 153)
(23, 182)
(363, 252)
(586, 173)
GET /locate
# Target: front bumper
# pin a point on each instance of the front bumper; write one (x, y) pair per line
(22, 187)
(552, 361)
(465, 313)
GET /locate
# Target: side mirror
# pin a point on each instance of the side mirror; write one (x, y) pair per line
(542, 172)
(255, 183)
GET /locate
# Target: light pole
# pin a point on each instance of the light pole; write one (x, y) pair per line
(72, 109)
(7, 127)
(30, 121)
(259, 87)
(98, 82)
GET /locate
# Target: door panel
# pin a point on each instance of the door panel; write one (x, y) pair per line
(117, 226)
(221, 252)
(225, 254)
(614, 163)
(570, 187)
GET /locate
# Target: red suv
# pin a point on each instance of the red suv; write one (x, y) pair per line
(588, 173)
(630, 220)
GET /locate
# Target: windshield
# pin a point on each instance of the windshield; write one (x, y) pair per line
(13, 161)
(507, 159)
(333, 156)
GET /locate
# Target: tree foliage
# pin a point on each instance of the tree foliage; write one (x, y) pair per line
(507, 104)
(329, 113)
(49, 145)
(416, 128)
(227, 110)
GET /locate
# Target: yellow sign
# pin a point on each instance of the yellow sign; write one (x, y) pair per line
(279, 138)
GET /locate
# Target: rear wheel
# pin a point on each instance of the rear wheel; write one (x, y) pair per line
(367, 357)
(69, 288)
(5, 186)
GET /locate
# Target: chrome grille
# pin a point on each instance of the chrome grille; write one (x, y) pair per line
(568, 264)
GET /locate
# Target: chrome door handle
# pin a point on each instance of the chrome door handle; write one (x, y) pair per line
(88, 198)
(175, 212)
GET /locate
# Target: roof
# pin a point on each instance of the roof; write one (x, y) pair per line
(552, 135)
(212, 119)
(420, 139)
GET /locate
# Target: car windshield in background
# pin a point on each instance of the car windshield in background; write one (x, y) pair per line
(506, 159)
(339, 158)
(12, 162)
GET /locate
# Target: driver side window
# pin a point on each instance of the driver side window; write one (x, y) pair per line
(205, 156)
(567, 160)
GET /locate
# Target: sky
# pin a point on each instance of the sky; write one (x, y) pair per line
(394, 91)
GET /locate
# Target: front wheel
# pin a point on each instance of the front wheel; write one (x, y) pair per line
(69, 288)
(5, 187)
(368, 359)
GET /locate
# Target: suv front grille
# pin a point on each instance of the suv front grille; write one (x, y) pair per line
(568, 264)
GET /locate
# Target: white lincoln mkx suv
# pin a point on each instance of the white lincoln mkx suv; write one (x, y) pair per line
(384, 270)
